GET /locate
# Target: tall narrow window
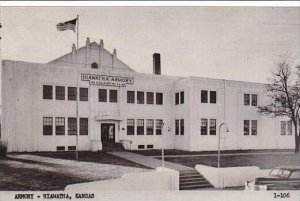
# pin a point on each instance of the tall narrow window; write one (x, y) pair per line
(113, 96)
(72, 93)
(84, 126)
(47, 125)
(60, 93)
(150, 126)
(283, 127)
(204, 96)
(59, 125)
(72, 126)
(94, 65)
(204, 127)
(177, 98)
(246, 99)
(212, 126)
(181, 97)
(181, 126)
(130, 126)
(140, 97)
(213, 97)
(246, 127)
(177, 127)
(253, 127)
(130, 97)
(83, 94)
(158, 125)
(140, 126)
(159, 98)
(150, 97)
(102, 95)
(47, 92)
(254, 100)
(289, 127)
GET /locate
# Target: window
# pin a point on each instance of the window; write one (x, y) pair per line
(71, 148)
(159, 98)
(149, 126)
(159, 123)
(181, 97)
(253, 127)
(283, 127)
(150, 97)
(140, 97)
(204, 96)
(60, 93)
(94, 65)
(47, 125)
(140, 146)
(177, 98)
(140, 126)
(113, 96)
(177, 127)
(246, 127)
(102, 93)
(72, 93)
(130, 126)
(84, 126)
(289, 127)
(83, 94)
(212, 126)
(203, 126)
(60, 148)
(246, 99)
(150, 146)
(213, 97)
(72, 126)
(47, 92)
(283, 100)
(59, 125)
(254, 100)
(130, 96)
(181, 126)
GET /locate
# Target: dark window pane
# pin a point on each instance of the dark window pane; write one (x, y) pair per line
(60, 93)
(130, 126)
(254, 100)
(246, 127)
(159, 123)
(84, 94)
(113, 96)
(177, 127)
(140, 97)
(47, 125)
(47, 92)
(130, 97)
(182, 97)
(59, 125)
(213, 96)
(140, 126)
(204, 97)
(102, 95)
(159, 98)
(94, 65)
(246, 99)
(289, 127)
(177, 98)
(150, 126)
(181, 126)
(203, 126)
(212, 126)
(72, 126)
(72, 93)
(150, 97)
(254, 127)
(84, 126)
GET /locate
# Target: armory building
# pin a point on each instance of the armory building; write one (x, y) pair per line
(89, 98)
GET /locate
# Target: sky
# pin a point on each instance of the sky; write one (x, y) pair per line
(235, 43)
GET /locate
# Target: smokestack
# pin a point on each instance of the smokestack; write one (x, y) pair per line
(156, 64)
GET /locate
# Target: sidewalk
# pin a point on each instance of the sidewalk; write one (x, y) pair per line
(149, 161)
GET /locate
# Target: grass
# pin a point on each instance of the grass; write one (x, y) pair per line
(264, 161)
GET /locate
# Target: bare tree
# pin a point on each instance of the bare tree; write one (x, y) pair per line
(284, 94)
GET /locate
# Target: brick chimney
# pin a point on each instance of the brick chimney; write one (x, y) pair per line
(156, 64)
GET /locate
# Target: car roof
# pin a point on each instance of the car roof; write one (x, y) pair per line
(291, 168)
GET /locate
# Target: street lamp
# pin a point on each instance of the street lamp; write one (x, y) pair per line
(219, 138)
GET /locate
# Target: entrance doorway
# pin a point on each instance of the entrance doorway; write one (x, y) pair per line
(108, 132)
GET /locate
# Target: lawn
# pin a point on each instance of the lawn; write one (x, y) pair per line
(37, 172)
(264, 161)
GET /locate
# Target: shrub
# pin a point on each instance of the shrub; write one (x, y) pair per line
(3, 148)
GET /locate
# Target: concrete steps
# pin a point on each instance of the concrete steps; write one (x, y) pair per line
(112, 146)
(192, 180)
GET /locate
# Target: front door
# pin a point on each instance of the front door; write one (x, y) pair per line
(108, 132)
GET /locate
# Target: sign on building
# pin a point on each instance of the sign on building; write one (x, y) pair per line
(106, 80)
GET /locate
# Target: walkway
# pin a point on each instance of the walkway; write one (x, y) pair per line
(149, 161)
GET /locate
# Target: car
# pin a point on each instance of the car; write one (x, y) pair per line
(279, 178)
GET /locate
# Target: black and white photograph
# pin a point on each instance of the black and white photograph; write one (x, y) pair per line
(166, 98)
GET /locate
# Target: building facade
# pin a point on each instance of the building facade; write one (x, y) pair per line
(89, 97)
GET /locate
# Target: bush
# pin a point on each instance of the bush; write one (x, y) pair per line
(3, 148)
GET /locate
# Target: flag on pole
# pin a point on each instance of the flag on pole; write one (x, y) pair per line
(69, 25)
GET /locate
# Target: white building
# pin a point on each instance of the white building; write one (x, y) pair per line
(118, 105)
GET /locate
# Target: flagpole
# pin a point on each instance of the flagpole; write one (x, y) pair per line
(77, 90)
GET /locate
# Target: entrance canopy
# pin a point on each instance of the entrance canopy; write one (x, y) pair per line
(108, 118)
